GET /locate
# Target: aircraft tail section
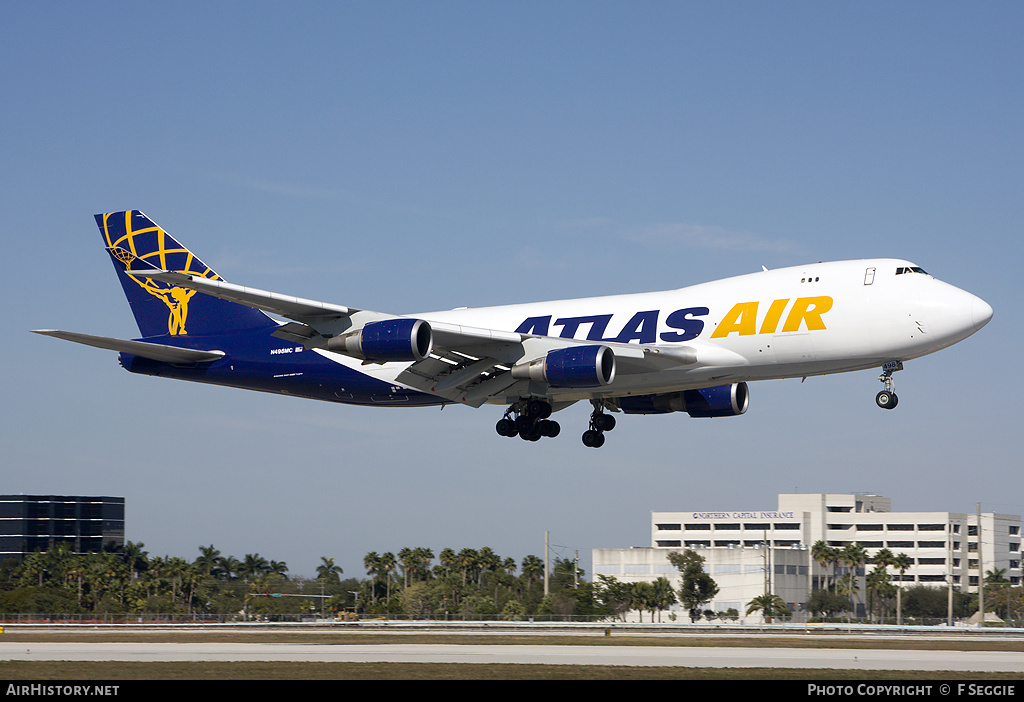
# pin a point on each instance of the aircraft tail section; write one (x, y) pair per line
(134, 243)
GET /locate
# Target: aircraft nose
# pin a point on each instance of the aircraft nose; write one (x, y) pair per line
(981, 313)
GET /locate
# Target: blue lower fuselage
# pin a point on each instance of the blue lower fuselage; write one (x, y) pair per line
(255, 360)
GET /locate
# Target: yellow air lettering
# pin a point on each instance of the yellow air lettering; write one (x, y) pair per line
(741, 319)
(771, 320)
(807, 310)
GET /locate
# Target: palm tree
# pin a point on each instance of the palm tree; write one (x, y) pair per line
(279, 568)
(371, 562)
(532, 568)
(769, 605)
(422, 557)
(253, 566)
(327, 571)
(227, 568)
(826, 555)
(32, 569)
(902, 563)
(663, 595)
(641, 594)
(448, 560)
(407, 560)
(853, 554)
(995, 578)
(207, 560)
(884, 558)
(387, 567)
(487, 560)
(468, 562)
(135, 558)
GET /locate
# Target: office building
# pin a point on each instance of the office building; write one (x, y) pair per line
(30, 523)
(749, 551)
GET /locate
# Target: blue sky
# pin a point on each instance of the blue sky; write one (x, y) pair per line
(407, 156)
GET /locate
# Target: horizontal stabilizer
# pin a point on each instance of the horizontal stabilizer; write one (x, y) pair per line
(156, 352)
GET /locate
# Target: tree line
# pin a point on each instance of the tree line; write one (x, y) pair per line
(468, 583)
(884, 600)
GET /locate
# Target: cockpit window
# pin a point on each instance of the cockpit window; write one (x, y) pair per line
(911, 269)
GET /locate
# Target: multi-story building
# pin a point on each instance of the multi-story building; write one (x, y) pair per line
(747, 552)
(30, 523)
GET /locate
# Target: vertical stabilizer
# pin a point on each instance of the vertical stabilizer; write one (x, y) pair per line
(135, 242)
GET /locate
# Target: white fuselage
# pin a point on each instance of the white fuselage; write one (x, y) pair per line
(791, 322)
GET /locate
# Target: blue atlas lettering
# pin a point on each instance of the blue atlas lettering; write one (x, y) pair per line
(682, 319)
(641, 327)
(598, 323)
(535, 325)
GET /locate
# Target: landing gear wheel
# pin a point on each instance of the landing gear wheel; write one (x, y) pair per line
(549, 428)
(506, 427)
(604, 422)
(527, 419)
(593, 438)
(886, 399)
(538, 408)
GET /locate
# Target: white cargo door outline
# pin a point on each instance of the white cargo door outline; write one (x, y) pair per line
(869, 276)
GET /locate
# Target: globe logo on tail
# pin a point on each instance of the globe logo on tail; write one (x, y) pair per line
(150, 248)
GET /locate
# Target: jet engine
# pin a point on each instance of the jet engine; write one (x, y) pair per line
(718, 401)
(571, 367)
(388, 340)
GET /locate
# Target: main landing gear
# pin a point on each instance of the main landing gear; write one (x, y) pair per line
(530, 422)
(600, 422)
(886, 399)
(528, 419)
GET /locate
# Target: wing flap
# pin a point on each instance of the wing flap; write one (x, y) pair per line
(156, 352)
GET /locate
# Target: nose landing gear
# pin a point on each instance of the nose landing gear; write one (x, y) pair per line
(886, 399)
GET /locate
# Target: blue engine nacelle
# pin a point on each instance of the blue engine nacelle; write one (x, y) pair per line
(571, 367)
(388, 340)
(717, 401)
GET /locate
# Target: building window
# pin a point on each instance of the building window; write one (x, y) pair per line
(931, 527)
(668, 527)
(901, 527)
(698, 527)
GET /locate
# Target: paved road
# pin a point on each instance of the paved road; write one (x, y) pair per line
(847, 659)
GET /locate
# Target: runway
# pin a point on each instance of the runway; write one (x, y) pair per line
(697, 657)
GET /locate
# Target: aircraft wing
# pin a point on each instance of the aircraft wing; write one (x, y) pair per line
(463, 364)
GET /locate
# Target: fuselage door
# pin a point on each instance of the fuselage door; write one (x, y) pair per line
(869, 276)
